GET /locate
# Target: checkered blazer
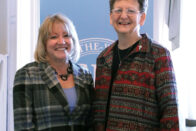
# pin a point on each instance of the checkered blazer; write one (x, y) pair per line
(38, 98)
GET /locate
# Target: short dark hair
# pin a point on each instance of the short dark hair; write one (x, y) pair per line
(142, 3)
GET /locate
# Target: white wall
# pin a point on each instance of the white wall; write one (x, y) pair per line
(183, 57)
(3, 91)
(8, 62)
(19, 26)
(28, 21)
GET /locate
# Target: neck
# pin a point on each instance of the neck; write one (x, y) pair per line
(60, 67)
(125, 41)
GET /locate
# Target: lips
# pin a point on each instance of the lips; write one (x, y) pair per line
(124, 23)
(61, 49)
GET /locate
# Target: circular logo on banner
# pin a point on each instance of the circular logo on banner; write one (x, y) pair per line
(93, 45)
(90, 49)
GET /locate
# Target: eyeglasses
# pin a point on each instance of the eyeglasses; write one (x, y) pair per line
(118, 11)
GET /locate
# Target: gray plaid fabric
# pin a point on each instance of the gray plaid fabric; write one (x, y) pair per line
(37, 108)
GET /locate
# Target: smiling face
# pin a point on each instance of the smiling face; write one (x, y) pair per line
(126, 17)
(59, 43)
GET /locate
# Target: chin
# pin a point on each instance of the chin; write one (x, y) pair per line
(123, 32)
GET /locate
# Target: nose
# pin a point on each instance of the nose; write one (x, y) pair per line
(124, 14)
(61, 40)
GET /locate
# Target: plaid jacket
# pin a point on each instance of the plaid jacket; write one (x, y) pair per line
(38, 96)
(143, 96)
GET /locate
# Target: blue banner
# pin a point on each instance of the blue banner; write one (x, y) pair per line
(92, 21)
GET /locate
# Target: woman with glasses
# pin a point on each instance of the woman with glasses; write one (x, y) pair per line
(54, 93)
(135, 87)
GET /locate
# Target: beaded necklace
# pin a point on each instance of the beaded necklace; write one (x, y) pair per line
(64, 77)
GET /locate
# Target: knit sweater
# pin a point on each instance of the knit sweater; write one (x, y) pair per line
(143, 94)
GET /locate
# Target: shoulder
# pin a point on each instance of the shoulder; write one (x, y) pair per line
(159, 50)
(28, 67)
(23, 74)
(107, 50)
(80, 69)
(82, 74)
(153, 46)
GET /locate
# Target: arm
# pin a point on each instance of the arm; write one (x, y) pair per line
(22, 98)
(166, 92)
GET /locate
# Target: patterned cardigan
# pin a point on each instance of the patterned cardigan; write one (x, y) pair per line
(143, 94)
(38, 96)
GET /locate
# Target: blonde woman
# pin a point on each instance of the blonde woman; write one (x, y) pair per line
(54, 93)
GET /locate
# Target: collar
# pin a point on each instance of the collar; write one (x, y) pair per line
(48, 74)
(144, 47)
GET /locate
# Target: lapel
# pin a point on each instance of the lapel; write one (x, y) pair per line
(78, 80)
(107, 57)
(143, 46)
(48, 76)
